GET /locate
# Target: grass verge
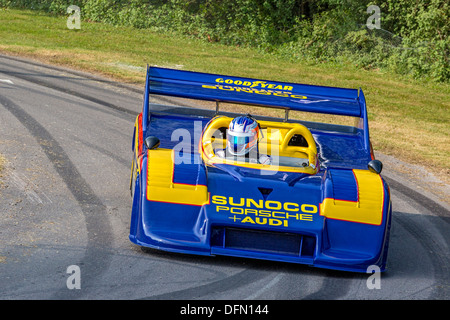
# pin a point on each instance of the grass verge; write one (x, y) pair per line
(409, 119)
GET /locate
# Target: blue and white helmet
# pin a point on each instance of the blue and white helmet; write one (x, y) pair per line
(242, 135)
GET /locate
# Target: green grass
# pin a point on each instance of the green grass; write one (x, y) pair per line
(409, 119)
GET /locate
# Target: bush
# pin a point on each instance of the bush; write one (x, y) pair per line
(413, 39)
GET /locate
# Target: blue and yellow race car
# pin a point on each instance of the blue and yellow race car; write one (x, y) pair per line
(210, 182)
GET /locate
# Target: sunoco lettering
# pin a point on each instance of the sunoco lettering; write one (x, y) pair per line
(260, 204)
(274, 213)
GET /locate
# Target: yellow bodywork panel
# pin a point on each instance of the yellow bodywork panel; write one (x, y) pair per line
(160, 186)
(369, 207)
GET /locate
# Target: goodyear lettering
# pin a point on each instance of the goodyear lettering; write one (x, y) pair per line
(255, 87)
(271, 212)
(255, 84)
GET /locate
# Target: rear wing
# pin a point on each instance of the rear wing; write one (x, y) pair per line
(265, 93)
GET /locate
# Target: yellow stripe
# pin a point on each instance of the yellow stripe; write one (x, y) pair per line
(160, 186)
(369, 207)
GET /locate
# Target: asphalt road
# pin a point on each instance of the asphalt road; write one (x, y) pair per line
(64, 201)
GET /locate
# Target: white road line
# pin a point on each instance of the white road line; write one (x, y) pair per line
(27, 187)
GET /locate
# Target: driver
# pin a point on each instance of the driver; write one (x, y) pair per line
(242, 141)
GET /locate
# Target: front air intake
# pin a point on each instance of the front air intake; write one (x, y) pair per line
(277, 243)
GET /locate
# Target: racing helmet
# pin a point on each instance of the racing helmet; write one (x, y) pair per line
(242, 135)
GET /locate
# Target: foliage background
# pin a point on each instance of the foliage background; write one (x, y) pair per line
(413, 39)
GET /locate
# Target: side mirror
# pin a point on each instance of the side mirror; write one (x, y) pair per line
(151, 142)
(375, 166)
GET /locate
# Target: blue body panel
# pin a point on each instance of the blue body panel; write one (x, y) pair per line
(302, 236)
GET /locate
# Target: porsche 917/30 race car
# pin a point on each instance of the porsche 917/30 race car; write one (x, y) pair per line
(315, 198)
